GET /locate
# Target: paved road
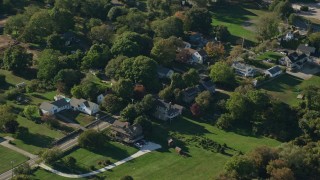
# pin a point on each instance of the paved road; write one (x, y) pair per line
(144, 150)
(68, 144)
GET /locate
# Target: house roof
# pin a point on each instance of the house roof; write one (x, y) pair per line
(306, 49)
(191, 91)
(274, 70)
(241, 66)
(46, 106)
(208, 84)
(60, 103)
(163, 70)
(294, 57)
(76, 102)
(171, 108)
(129, 130)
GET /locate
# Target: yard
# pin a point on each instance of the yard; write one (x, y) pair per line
(240, 19)
(41, 174)
(274, 56)
(113, 151)
(8, 156)
(39, 137)
(201, 163)
(288, 87)
(80, 118)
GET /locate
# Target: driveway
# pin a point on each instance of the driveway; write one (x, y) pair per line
(144, 150)
(306, 72)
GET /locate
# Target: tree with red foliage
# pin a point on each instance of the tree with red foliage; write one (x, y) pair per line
(195, 109)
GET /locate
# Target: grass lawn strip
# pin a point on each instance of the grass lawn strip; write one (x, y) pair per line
(8, 156)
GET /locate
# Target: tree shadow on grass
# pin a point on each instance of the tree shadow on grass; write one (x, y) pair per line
(110, 150)
(38, 140)
(278, 84)
(40, 97)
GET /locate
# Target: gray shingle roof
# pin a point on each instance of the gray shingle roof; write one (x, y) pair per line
(306, 49)
(46, 106)
(274, 69)
(60, 103)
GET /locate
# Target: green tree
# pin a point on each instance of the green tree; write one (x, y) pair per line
(70, 161)
(69, 78)
(55, 41)
(237, 105)
(51, 155)
(314, 39)
(177, 81)
(140, 70)
(101, 34)
(144, 123)
(115, 12)
(113, 104)
(2, 80)
(221, 33)
(191, 77)
(125, 47)
(62, 19)
(48, 64)
(123, 88)
(31, 112)
(97, 57)
(16, 59)
(164, 52)
(113, 66)
(129, 113)
(15, 25)
(241, 167)
(91, 139)
(203, 100)
(171, 26)
(222, 72)
(267, 27)
(198, 19)
(39, 26)
(167, 94)
(7, 120)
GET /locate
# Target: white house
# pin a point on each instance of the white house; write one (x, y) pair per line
(197, 56)
(243, 69)
(54, 107)
(274, 71)
(84, 106)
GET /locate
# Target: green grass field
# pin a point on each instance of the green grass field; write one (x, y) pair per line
(40, 136)
(287, 87)
(270, 55)
(167, 164)
(7, 155)
(42, 174)
(239, 19)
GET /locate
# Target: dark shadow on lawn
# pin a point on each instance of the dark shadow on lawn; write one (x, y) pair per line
(38, 140)
(110, 150)
(40, 97)
(278, 83)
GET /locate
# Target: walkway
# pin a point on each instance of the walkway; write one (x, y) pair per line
(144, 150)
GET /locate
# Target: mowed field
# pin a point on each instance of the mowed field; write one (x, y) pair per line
(287, 87)
(8, 158)
(240, 20)
(166, 163)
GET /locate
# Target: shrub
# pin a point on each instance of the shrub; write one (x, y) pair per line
(304, 8)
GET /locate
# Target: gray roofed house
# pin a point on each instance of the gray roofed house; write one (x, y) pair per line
(190, 94)
(308, 50)
(294, 60)
(60, 103)
(165, 110)
(208, 85)
(54, 107)
(274, 71)
(125, 132)
(164, 72)
(84, 106)
(243, 69)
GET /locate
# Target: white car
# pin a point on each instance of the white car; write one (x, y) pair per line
(138, 145)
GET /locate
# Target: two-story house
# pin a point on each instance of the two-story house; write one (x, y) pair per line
(123, 131)
(294, 60)
(54, 107)
(166, 111)
(243, 70)
(84, 106)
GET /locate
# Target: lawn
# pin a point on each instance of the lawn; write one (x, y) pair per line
(41, 174)
(240, 20)
(40, 136)
(80, 118)
(12, 79)
(274, 56)
(201, 164)
(113, 151)
(288, 87)
(8, 156)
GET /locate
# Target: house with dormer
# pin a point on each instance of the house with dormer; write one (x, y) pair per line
(166, 110)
